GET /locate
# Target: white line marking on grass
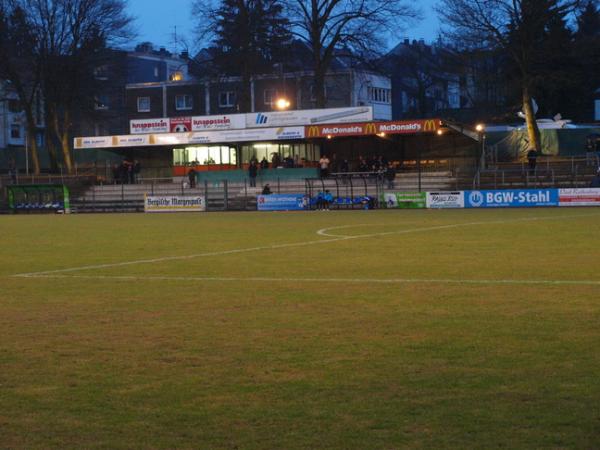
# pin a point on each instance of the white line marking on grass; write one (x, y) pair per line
(323, 231)
(365, 281)
(295, 244)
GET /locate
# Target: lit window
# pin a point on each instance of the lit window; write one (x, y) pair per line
(226, 99)
(143, 104)
(176, 76)
(183, 102)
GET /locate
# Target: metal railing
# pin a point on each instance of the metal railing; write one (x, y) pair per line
(549, 172)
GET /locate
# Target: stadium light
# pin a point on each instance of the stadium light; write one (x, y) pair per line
(282, 103)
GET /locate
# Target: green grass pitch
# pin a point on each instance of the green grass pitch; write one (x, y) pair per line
(388, 329)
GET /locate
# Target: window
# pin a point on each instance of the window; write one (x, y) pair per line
(176, 76)
(143, 104)
(156, 71)
(101, 73)
(379, 95)
(270, 95)
(227, 98)
(183, 102)
(101, 102)
(15, 131)
(14, 106)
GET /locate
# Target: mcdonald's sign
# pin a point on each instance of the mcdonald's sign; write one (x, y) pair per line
(430, 126)
(313, 131)
(370, 128)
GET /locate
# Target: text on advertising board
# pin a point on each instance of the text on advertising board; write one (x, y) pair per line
(511, 198)
(371, 128)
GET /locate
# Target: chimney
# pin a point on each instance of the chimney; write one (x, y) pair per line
(406, 41)
(185, 54)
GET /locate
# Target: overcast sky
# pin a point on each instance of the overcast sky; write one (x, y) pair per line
(156, 21)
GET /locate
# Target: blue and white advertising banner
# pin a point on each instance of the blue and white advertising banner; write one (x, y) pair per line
(513, 198)
(282, 202)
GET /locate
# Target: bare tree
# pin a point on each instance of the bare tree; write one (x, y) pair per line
(18, 64)
(518, 27)
(61, 53)
(356, 25)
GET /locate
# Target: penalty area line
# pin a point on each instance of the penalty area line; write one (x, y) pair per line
(365, 281)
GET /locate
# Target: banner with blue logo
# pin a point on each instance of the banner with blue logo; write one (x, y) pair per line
(513, 198)
(282, 202)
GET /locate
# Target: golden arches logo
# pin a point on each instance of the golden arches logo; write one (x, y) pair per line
(371, 128)
(429, 125)
(313, 131)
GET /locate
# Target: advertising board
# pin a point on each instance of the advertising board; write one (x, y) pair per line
(282, 202)
(513, 198)
(180, 125)
(223, 122)
(145, 126)
(174, 203)
(309, 117)
(405, 200)
(579, 197)
(446, 199)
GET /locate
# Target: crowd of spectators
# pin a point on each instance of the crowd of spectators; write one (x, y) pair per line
(127, 172)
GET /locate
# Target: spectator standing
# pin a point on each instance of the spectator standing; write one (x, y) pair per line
(596, 180)
(532, 160)
(390, 175)
(192, 178)
(252, 172)
(327, 200)
(264, 164)
(324, 165)
(137, 168)
(275, 160)
(12, 170)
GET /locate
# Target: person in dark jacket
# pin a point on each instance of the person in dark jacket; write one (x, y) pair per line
(252, 172)
(192, 178)
(390, 175)
(596, 180)
(532, 160)
(266, 190)
(264, 164)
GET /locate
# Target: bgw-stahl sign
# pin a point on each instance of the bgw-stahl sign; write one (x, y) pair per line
(513, 198)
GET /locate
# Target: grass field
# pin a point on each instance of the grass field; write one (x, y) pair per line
(363, 329)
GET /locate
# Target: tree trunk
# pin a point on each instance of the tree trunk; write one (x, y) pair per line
(319, 86)
(533, 131)
(62, 135)
(31, 146)
(65, 143)
(51, 147)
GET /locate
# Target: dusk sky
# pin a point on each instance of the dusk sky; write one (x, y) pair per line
(156, 19)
